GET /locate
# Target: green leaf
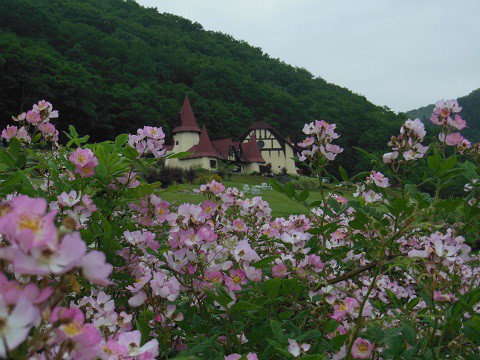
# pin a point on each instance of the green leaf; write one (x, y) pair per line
(7, 159)
(142, 325)
(448, 164)
(412, 303)
(265, 261)
(130, 153)
(179, 155)
(303, 195)
(15, 147)
(409, 334)
(243, 305)
(289, 190)
(13, 180)
(121, 140)
(330, 326)
(434, 161)
(312, 334)
(277, 331)
(21, 161)
(471, 328)
(315, 231)
(272, 287)
(277, 186)
(343, 173)
(101, 170)
(27, 187)
(73, 132)
(200, 347)
(315, 204)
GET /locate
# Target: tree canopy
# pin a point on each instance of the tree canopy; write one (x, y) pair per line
(113, 66)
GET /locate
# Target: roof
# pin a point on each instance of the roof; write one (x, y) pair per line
(188, 122)
(204, 148)
(260, 125)
(223, 146)
(263, 125)
(251, 152)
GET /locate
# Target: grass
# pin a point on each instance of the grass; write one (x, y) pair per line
(281, 205)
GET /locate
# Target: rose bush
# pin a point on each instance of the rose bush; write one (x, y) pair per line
(96, 265)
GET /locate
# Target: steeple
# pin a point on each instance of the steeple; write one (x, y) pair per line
(188, 122)
(204, 147)
(251, 151)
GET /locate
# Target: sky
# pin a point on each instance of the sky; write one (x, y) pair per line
(397, 53)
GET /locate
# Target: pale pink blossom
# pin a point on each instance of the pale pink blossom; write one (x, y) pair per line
(95, 268)
(16, 323)
(362, 349)
(295, 349)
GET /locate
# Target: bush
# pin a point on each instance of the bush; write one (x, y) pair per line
(168, 175)
(389, 275)
(206, 177)
(305, 183)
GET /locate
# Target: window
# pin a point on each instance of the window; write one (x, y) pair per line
(260, 143)
(213, 164)
(231, 152)
(176, 142)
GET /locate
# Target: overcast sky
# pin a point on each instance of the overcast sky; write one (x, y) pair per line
(400, 53)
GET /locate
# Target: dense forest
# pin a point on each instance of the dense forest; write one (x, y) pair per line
(112, 66)
(470, 112)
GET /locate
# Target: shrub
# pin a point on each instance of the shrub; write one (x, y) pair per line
(305, 183)
(389, 275)
(206, 177)
(169, 175)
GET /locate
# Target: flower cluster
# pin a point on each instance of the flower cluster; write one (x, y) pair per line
(408, 143)
(34, 246)
(85, 162)
(446, 115)
(321, 134)
(33, 122)
(223, 277)
(148, 140)
(74, 207)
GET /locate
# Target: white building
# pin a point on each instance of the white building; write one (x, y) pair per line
(206, 153)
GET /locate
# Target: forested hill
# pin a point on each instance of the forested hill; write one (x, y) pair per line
(470, 112)
(111, 66)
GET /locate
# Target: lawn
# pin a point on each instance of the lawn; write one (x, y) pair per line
(281, 205)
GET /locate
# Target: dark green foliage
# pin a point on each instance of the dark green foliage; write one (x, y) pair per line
(112, 66)
(169, 175)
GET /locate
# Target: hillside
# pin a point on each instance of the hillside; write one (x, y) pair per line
(470, 112)
(111, 66)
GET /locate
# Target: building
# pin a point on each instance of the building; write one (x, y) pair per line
(247, 153)
(275, 149)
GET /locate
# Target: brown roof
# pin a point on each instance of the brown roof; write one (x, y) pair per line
(223, 146)
(203, 148)
(188, 122)
(251, 152)
(260, 125)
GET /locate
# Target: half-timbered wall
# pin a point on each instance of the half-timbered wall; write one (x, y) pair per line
(274, 152)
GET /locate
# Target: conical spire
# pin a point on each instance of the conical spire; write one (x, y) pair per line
(188, 122)
(204, 146)
(251, 151)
